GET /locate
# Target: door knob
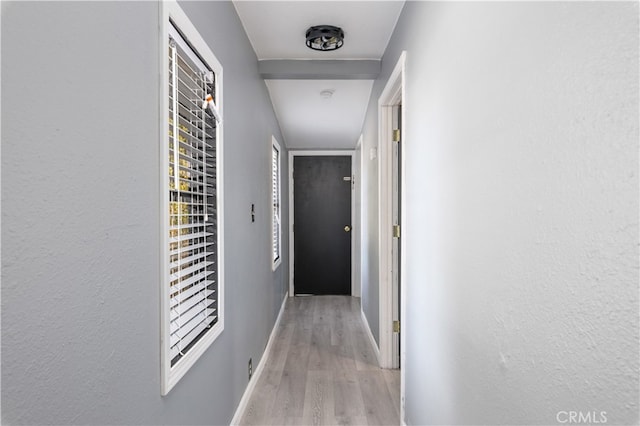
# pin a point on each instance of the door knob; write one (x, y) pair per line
(347, 228)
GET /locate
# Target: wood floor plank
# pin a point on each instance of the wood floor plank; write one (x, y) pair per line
(289, 399)
(297, 359)
(346, 389)
(320, 355)
(342, 357)
(261, 403)
(392, 378)
(303, 308)
(319, 399)
(280, 347)
(364, 356)
(377, 400)
(322, 313)
(340, 326)
(351, 421)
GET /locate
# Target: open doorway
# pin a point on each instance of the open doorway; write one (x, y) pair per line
(391, 113)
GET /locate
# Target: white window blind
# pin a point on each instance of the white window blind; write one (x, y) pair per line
(192, 286)
(275, 191)
(192, 208)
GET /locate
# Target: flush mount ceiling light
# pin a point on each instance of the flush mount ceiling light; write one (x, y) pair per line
(325, 37)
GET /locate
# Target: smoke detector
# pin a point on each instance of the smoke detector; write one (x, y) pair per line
(327, 93)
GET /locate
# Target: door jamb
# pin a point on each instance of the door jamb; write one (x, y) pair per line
(300, 153)
(356, 270)
(393, 94)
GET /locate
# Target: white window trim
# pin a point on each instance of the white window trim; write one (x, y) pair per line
(276, 145)
(171, 11)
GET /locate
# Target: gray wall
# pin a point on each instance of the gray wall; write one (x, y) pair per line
(522, 211)
(80, 222)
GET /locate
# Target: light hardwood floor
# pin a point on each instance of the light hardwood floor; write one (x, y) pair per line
(322, 370)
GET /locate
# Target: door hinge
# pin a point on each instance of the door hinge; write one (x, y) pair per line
(396, 326)
(396, 135)
(396, 231)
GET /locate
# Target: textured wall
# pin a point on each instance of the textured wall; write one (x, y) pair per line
(80, 197)
(522, 210)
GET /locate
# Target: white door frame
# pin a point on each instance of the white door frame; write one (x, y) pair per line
(393, 94)
(298, 153)
(357, 251)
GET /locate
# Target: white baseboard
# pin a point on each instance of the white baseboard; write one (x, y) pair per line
(258, 371)
(376, 350)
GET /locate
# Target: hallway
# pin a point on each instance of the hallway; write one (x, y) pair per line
(323, 370)
(149, 224)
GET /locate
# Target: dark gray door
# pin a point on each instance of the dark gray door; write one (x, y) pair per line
(322, 224)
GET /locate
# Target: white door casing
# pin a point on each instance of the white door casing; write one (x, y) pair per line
(392, 95)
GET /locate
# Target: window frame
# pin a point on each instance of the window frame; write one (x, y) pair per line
(276, 146)
(170, 375)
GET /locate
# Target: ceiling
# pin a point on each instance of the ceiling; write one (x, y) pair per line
(276, 30)
(311, 121)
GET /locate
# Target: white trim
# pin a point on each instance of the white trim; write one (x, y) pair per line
(363, 208)
(356, 277)
(248, 392)
(393, 93)
(163, 147)
(276, 145)
(355, 289)
(298, 153)
(372, 340)
(170, 10)
(1, 216)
